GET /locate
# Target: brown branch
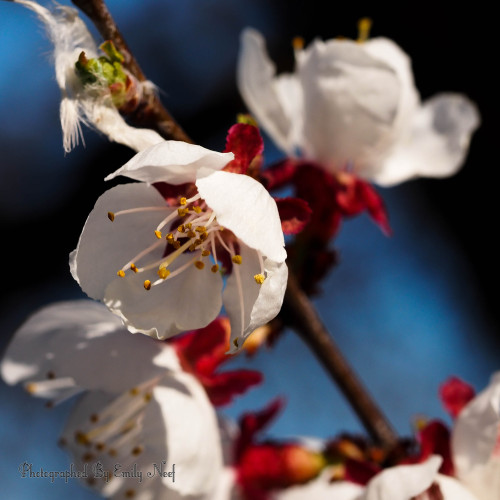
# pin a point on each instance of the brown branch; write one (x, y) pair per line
(153, 115)
(298, 311)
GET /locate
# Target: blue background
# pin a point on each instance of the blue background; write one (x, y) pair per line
(407, 311)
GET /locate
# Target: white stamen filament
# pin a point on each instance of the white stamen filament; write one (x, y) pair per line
(143, 253)
(178, 271)
(47, 386)
(167, 219)
(141, 209)
(261, 262)
(236, 271)
(223, 243)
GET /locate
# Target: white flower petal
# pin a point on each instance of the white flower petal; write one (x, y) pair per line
(321, 488)
(178, 427)
(248, 304)
(350, 103)
(438, 141)
(475, 439)
(65, 339)
(187, 301)
(105, 246)
(107, 119)
(273, 102)
(403, 481)
(174, 162)
(244, 206)
(453, 490)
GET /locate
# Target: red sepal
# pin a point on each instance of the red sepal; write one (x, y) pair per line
(455, 394)
(294, 214)
(246, 143)
(279, 174)
(202, 351)
(253, 422)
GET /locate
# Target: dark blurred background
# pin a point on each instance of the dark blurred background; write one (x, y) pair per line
(408, 311)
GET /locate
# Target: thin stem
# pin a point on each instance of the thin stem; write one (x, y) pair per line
(152, 114)
(299, 313)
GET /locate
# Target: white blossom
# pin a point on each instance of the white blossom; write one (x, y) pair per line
(402, 482)
(354, 106)
(89, 105)
(223, 216)
(476, 443)
(138, 407)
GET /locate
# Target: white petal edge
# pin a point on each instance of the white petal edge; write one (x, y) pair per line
(105, 246)
(174, 162)
(260, 303)
(61, 339)
(244, 206)
(437, 144)
(403, 481)
(270, 102)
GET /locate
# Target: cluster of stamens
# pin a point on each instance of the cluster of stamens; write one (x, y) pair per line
(193, 230)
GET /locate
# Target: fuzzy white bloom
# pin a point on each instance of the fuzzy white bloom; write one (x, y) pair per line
(354, 105)
(476, 443)
(403, 482)
(138, 407)
(222, 220)
(79, 103)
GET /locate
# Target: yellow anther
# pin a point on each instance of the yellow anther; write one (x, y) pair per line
(191, 234)
(87, 457)
(170, 237)
(181, 228)
(182, 211)
(199, 264)
(205, 253)
(121, 273)
(188, 225)
(237, 259)
(134, 391)
(259, 278)
(130, 494)
(246, 119)
(158, 234)
(134, 268)
(298, 43)
(82, 438)
(214, 268)
(235, 342)
(192, 247)
(163, 273)
(197, 209)
(137, 450)
(176, 244)
(203, 236)
(147, 397)
(100, 446)
(111, 216)
(197, 242)
(364, 27)
(147, 285)
(183, 201)
(31, 388)
(201, 229)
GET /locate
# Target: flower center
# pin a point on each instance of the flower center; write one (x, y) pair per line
(193, 231)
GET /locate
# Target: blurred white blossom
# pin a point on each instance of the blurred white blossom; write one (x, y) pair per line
(476, 443)
(138, 407)
(353, 105)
